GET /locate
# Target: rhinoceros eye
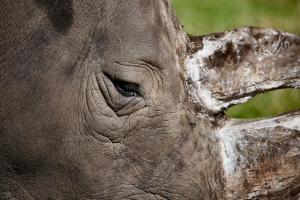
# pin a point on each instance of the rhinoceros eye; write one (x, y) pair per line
(122, 96)
(126, 89)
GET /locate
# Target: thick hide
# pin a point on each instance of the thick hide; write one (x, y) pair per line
(114, 100)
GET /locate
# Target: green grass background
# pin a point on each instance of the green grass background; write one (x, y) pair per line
(201, 17)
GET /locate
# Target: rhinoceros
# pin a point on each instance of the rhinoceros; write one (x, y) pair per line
(114, 100)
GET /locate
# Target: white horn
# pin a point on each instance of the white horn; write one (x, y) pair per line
(227, 68)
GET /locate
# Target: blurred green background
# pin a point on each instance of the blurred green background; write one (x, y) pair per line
(201, 17)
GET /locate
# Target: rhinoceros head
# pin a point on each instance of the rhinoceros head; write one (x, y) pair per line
(114, 100)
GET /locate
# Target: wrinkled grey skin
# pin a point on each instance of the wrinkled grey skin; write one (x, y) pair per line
(94, 102)
(67, 133)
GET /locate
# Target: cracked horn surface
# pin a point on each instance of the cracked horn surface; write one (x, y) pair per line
(227, 68)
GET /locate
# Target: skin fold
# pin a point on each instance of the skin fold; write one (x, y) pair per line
(94, 104)
(67, 133)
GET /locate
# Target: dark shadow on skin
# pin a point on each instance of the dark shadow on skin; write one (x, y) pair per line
(60, 13)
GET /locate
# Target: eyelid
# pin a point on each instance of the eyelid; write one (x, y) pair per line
(115, 78)
(118, 82)
(133, 91)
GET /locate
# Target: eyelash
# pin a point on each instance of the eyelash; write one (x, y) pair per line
(126, 89)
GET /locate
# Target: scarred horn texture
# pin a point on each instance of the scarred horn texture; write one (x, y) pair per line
(228, 68)
(261, 157)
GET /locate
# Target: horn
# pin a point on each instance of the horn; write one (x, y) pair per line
(261, 157)
(227, 68)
